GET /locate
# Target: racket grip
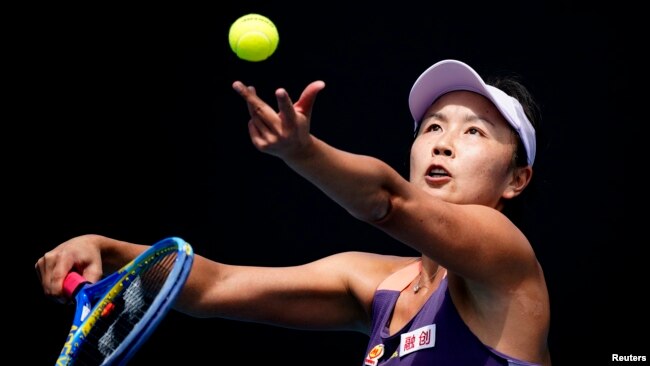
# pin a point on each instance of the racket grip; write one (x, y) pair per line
(71, 283)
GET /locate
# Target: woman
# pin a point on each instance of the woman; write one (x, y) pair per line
(475, 296)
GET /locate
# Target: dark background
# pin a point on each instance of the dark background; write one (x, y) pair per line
(131, 130)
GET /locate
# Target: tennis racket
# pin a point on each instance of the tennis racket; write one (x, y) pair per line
(115, 316)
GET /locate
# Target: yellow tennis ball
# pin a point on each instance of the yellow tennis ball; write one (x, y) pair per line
(253, 37)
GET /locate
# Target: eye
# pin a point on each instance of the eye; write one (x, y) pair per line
(473, 131)
(432, 127)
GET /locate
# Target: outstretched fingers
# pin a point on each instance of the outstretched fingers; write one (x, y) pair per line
(262, 115)
(285, 131)
(287, 111)
(306, 102)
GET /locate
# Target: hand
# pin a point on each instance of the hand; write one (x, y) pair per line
(284, 133)
(81, 254)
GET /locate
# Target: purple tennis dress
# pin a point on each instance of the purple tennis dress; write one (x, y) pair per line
(435, 336)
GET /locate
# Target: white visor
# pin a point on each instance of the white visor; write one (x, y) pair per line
(449, 75)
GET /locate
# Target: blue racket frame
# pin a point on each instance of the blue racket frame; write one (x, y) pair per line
(92, 299)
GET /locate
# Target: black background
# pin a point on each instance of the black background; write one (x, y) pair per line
(131, 130)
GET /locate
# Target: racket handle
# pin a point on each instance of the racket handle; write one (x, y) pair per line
(71, 283)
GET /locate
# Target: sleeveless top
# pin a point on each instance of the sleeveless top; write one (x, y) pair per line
(436, 335)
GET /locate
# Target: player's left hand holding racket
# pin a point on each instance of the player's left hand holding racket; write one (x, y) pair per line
(117, 314)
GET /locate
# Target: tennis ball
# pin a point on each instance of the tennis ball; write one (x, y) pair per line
(253, 37)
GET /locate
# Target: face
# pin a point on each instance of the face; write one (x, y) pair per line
(463, 151)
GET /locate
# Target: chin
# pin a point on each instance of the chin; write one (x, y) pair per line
(436, 192)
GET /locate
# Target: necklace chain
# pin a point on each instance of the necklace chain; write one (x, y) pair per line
(418, 286)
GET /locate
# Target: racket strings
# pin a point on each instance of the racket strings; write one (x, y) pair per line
(129, 307)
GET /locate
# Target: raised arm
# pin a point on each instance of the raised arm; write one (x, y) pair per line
(473, 241)
(358, 183)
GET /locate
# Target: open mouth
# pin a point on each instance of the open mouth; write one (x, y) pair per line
(436, 171)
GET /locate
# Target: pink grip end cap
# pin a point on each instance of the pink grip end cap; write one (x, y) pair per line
(72, 281)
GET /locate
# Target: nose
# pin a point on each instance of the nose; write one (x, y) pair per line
(443, 144)
(442, 149)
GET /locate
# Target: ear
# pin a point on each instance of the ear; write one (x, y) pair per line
(519, 181)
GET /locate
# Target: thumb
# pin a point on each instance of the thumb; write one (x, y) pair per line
(308, 97)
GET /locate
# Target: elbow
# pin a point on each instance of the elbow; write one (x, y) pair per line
(377, 211)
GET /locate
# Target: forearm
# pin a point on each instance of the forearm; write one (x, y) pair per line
(115, 254)
(196, 298)
(363, 185)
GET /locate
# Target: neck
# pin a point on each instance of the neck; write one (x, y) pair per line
(428, 266)
(427, 275)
